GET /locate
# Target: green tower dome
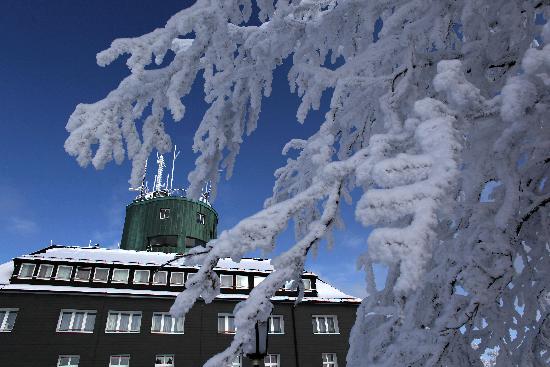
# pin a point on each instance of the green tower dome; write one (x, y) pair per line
(168, 224)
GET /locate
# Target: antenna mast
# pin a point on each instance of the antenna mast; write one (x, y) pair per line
(173, 164)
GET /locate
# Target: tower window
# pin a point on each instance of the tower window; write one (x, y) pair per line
(201, 218)
(164, 213)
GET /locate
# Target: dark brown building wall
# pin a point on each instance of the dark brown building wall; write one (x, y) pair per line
(34, 341)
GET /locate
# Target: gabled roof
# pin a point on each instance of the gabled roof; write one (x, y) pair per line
(96, 255)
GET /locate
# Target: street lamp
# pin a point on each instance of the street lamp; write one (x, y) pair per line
(260, 352)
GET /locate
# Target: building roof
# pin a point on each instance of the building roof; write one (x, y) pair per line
(95, 255)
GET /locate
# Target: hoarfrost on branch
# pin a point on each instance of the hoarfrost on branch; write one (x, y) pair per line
(430, 101)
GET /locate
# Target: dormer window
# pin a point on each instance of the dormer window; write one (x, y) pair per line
(141, 277)
(164, 213)
(201, 218)
(45, 271)
(64, 272)
(120, 275)
(83, 274)
(242, 282)
(26, 270)
(101, 275)
(160, 277)
(177, 278)
(308, 285)
(226, 281)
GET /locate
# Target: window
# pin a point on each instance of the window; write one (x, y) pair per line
(82, 274)
(160, 277)
(101, 275)
(177, 278)
(164, 213)
(226, 281)
(26, 270)
(329, 360)
(226, 323)
(237, 362)
(7, 319)
(76, 321)
(64, 272)
(307, 284)
(276, 324)
(164, 360)
(45, 271)
(258, 280)
(120, 276)
(141, 277)
(325, 324)
(119, 361)
(242, 282)
(68, 361)
(201, 218)
(271, 360)
(123, 322)
(166, 324)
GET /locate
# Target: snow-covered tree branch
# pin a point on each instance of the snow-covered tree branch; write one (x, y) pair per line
(431, 103)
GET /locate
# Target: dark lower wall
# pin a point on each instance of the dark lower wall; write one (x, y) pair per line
(35, 342)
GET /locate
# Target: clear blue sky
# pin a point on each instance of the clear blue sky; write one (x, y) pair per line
(48, 66)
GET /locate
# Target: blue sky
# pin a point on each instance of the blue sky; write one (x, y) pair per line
(48, 66)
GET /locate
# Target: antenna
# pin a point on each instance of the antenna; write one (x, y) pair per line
(207, 189)
(173, 164)
(158, 178)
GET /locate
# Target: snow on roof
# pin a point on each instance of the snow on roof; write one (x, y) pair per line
(325, 292)
(131, 257)
(6, 270)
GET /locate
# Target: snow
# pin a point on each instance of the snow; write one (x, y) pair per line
(6, 271)
(326, 292)
(419, 119)
(131, 257)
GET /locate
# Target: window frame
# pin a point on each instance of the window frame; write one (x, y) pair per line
(164, 213)
(96, 280)
(174, 323)
(165, 364)
(317, 331)
(73, 313)
(232, 281)
(68, 356)
(201, 218)
(142, 270)
(270, 325)
(226, 317)
(120, 281)
(51, 266)
(70, 273)
(237, 277)
(119, 356)
(21, 268)
(333, 363)
(117, 323)
(89, 275)
(183, 278)
(270, 364)
(4, 320)
(306, 289)
(155, 274)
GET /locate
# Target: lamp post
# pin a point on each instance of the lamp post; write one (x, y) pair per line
(260, 351)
